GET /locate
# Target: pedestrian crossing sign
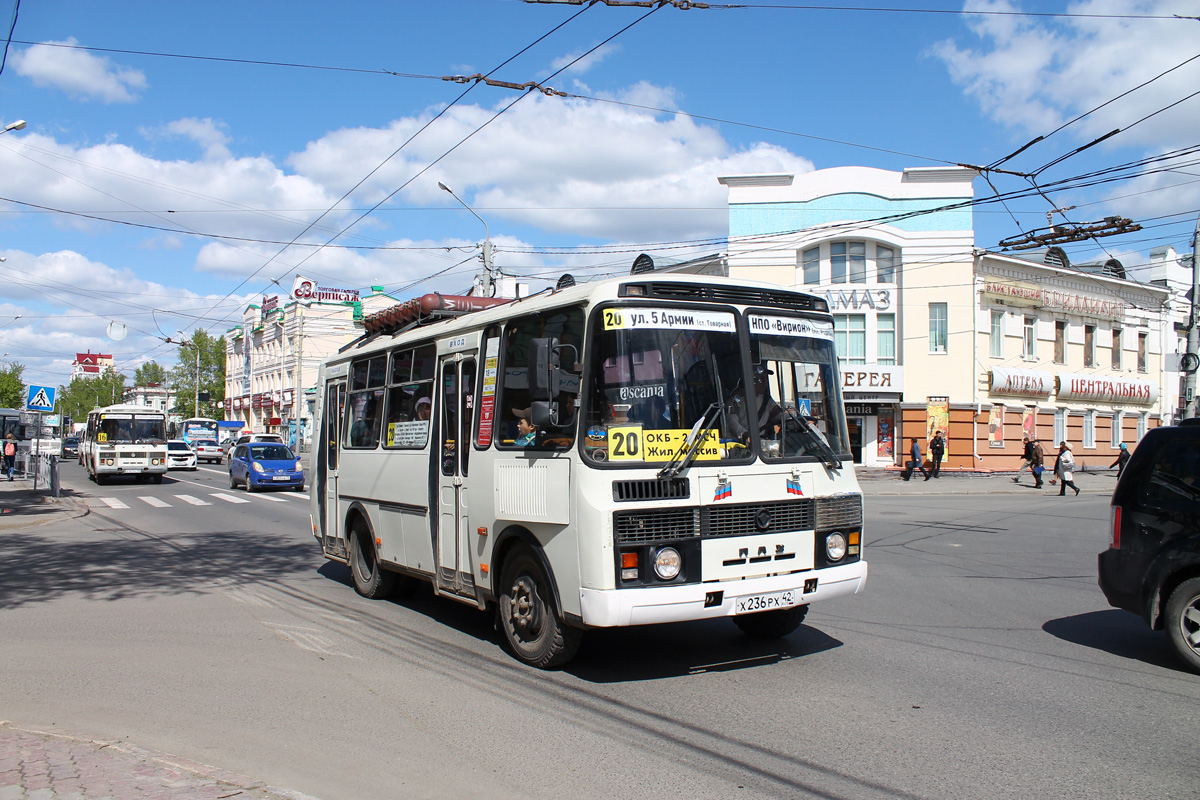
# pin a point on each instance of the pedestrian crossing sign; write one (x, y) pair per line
(40, 398)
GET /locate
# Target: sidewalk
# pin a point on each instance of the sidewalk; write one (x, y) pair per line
(37, 765)
(876, 481)
(22, 507)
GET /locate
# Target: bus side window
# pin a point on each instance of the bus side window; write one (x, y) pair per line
(564, 325)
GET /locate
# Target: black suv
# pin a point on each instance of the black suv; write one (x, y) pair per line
(1152, 565)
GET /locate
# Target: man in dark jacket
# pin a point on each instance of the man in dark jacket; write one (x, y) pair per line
(937, 449)
(1035, 465)
(915, 463)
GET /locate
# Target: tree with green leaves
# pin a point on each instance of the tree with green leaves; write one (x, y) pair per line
(212, 376)
(86, 392)
(150, 374)
(12, 387)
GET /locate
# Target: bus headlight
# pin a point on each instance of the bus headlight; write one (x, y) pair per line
(667, 563)
(835, 546)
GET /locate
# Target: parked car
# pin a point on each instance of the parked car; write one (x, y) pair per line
(261, 465)
(246, 438)
(70, 447)
(208, 450)
(180, 455)
(1152, 565)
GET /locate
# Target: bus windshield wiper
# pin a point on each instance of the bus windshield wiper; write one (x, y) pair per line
(814, 441)
(690, 446)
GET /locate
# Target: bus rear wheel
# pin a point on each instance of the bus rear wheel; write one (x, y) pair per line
(370, 579)
(532, 628)
(771, 624)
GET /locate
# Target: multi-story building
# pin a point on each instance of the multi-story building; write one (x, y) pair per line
(155, 395)
(90, 364)
(915, 307)
(271, 359)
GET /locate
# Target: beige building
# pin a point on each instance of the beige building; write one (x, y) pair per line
(271, 359)
(934, 335)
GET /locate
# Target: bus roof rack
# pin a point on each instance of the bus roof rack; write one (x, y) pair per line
(425, 309)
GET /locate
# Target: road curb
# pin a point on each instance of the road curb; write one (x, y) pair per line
(179, 772)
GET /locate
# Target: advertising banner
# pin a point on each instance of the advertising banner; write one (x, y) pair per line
(937, 414)
(996, 427)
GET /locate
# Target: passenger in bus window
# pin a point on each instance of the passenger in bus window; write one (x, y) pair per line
(762, 411)
(526, 432)
(424, 407)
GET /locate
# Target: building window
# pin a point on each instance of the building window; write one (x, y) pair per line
(1116, 348)
(1089, 428)
(1029, 339)
(1060, 426)
(850, 337)
(1143, 340)
(1060, 341)
(1141, 426)
(1115, 439)
(886, 340)
(848, 262)
(811, 262)
(1089, 345)
(938, 327)
(885, 264)
(997, 335)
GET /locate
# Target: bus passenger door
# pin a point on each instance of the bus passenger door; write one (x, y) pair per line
(332, 412)
(455, 573)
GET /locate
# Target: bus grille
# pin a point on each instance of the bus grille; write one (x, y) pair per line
(717, 293)
(840, 511)
(674, 489)
(741, 520)
(656, 525)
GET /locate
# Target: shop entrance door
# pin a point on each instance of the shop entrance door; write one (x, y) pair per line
(855, 425)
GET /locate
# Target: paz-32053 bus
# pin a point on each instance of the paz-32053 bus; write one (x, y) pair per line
(648, 449)
(125, 440)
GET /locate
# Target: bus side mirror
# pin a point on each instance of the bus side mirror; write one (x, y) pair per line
(543, 413)
(543, 368)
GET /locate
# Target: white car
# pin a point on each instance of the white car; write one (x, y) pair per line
(208, 450)
(180, 455)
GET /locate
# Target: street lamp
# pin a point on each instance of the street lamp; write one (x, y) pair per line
(485, 280)
(19, 125)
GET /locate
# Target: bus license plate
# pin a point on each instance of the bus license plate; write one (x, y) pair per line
(765, 602)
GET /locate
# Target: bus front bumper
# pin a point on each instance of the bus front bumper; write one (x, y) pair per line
(606, 608)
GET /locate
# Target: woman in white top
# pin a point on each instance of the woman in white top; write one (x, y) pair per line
(1064, 467)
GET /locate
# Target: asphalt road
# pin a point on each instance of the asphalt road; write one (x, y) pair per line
(982, 661)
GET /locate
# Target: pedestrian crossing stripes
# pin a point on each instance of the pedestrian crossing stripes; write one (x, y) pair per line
(192, 500)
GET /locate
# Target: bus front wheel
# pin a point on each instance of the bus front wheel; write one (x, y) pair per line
(370, 579)
(771, 624)
(531, 625)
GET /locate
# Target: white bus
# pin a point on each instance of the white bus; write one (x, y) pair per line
(196, 428)
(638, 450)
(125, 440)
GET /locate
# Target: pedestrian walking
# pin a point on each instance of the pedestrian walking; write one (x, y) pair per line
(1122, 460)
(1026, 458)
(10, 454)
(1037, 462)
(1064, 467)
(937, 449)
(915, 462)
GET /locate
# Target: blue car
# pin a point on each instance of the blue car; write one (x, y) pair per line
(265, 465)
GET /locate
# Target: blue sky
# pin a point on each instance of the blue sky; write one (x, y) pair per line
(169, 152)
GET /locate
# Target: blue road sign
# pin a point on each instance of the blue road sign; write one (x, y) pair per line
(40, 398)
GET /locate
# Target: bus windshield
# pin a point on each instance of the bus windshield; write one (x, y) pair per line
(657, 373)
(198, 428)
(665, 382)
(135, 428)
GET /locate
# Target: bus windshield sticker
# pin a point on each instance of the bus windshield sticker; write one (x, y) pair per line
(487, 402)
(764, 325)
(680, 319)
(633, 443)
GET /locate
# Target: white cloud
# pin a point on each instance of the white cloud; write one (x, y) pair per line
(209, 134)
(1033, 74)
(587, 62)
(78, 73)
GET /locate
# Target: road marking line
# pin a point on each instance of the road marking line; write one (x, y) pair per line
(228, 498)
(113, 502)
(272, 498)
(196, 501)
(154, 501)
